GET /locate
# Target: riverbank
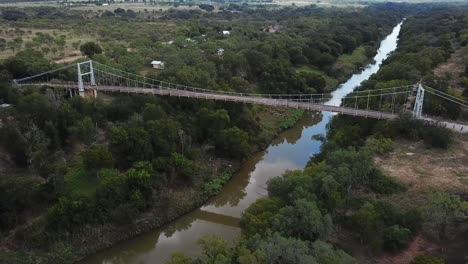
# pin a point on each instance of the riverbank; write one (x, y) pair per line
(179, 201)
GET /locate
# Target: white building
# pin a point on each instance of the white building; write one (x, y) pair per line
(226, 32)
(220, 52)
(158, 64)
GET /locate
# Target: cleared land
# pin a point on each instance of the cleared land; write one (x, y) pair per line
(453, 68)
(421, 168)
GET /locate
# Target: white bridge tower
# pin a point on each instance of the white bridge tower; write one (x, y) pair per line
(418, 104)
(89, 66)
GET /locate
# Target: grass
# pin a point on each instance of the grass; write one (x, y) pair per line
(79, 182)
(273, 121)
(332, 83)
(27, 34)
(358, 57)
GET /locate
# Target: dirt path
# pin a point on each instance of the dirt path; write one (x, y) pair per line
(69, 59)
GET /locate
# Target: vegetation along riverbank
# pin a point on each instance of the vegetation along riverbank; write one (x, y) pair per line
(371, 195)
(79, 175)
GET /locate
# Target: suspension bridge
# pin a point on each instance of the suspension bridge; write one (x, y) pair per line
(91, 77)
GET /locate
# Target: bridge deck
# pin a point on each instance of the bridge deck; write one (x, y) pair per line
(236, 98)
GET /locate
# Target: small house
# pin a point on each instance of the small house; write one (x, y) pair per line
(220, 52)
(158, 64)
(226, 32)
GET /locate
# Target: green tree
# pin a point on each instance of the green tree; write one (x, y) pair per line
(84, 131)
(325, 253)
(90, 49)
(444, 214)
(257, 218)
(396, 238)
(367, 223)
(233, 142)
(70, 213)
(96, 158)
(281, 250)
(303, 220)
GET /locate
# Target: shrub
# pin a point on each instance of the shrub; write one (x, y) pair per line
(213, 187)
(90, 48)
(257, 218)
(427, 260)
(124, 213)
(379, 145)
(396, 238)
(70, 213)
(382, 184)
(437, 137)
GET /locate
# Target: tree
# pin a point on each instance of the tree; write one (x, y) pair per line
(257, 218)
(139, 181)
(314, 80)
(153, 112)
(367, 224)
(70, 213)
(303, 220)
(281, 250)
(444, 214)
(233, 142)
(325, 253)
(84, 131)
(396, 238)
(211, 122)
(96, 158)
(206, 7)
(13, 14)
(90, 49)
(130, 144)
(37, 107)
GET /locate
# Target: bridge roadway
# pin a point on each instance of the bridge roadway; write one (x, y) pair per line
(234, 98)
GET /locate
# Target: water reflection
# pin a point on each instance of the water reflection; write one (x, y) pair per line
(291, 150)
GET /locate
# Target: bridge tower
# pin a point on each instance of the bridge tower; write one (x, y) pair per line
(418, 104)
(89, 66)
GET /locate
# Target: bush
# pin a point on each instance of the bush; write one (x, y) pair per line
(90, 48)
(379, 145)
(124, 214)
(382, 184)
(70, 213)
(396, 238)
(427, 260)
(437, 137)
(213, 187)
(257, 218)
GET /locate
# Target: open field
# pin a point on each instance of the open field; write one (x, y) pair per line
(421, 168)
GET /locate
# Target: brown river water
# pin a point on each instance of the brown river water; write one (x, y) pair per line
(291, 150)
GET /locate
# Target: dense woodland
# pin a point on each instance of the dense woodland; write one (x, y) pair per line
(79, 174)
(320, 214)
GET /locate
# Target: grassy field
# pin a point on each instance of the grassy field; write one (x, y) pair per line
(28, 35)
(357, 57)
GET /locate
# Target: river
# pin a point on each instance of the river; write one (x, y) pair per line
(220, 215)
